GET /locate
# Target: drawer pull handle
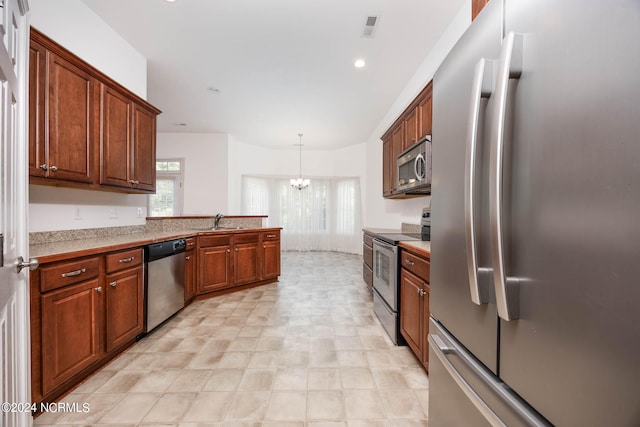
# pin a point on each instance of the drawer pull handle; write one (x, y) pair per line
(113, 284)
(126, 259)
(409, 262)
(191, 244)
(271, 235)
(74, 273)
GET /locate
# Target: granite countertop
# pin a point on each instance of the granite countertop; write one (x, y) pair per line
(49, 252)
(420, 247)
(382, 230)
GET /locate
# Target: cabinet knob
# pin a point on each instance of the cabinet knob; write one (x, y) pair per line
(136, 182)
(44, 167)
(187, 258)
(113, 284)
(228, 250)
(236, 249)
(131, 182)
(264, 247)
(53, 168)
(99, 289)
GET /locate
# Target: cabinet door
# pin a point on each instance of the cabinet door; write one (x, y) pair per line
(245, 263)
(115, 142)
(37, 68)
(410, 129)
(190, 275)
(124, 307)
(214, 268)
(144, 149)
(397, 139)
(71, 117)
(387, 175)
(271, 259)
(411, 310)
(70, 332)
(424, 114)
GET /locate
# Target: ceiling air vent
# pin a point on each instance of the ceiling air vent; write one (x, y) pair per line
(370, 26)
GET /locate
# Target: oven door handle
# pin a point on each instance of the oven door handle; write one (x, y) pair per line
(385, 245)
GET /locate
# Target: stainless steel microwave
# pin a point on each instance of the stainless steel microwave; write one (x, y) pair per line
(414, 168)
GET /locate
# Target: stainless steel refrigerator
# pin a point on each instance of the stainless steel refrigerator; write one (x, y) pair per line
(535, 261)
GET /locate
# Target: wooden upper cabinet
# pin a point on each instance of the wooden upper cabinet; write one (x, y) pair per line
(424, 113)
(37, 88)
(476, 7)
(387, 161)
(72, 108)
(144, 149)
(86, 130)
(410, 129)
(412, 125)
(115, 144)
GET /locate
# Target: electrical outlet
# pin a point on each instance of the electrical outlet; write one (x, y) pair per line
(113, 213)
(76, 213)
(139, 212)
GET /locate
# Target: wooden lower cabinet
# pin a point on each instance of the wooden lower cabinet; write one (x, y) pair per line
(71, 331)
(190, 270)
(271, 259)
(236, 259)
(246, 258)
(414, 304)
(84, 311)
(124, 307)
(214, 271)
(367, 260)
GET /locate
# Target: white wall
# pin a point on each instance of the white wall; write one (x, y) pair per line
(380, 212)
(206, 171)
(248, 159)
(76, 27)
(73, 25)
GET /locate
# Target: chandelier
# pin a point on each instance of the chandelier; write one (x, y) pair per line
(300, 183)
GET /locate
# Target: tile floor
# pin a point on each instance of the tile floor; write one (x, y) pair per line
(307, 351)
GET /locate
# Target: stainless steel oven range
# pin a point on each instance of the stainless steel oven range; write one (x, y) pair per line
(386, 272)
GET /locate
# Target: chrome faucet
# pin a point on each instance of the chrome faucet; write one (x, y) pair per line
(216, 224)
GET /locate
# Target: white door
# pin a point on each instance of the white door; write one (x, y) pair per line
(15, 386)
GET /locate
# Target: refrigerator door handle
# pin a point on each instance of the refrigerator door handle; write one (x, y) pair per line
(481, 88)
(441, 350)
(507, 289)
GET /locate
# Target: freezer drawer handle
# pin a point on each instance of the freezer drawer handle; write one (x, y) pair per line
(481, 88)
(507, 289)
(441, 350)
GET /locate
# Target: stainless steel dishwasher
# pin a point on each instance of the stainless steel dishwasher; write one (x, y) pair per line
(164, 281)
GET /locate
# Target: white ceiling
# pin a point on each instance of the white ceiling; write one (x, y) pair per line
(282, 66)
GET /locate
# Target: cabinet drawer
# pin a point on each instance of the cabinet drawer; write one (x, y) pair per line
(247, 238)
(368, 240)
(271, 235)
(416, 265)
(123, 260)
(367, 254)
(57, 275)
(191, 243)
(219, 240)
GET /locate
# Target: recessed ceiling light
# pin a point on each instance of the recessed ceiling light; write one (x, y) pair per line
(214, 90)
(359, 63)
(180, 124)
(170, 1)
